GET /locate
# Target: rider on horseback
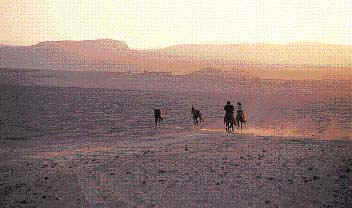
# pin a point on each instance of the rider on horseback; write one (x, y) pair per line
(196, 116)
(157, 116)
(239, 108)
(240, 114)
(229, 109)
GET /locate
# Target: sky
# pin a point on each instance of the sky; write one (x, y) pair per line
(145, 24)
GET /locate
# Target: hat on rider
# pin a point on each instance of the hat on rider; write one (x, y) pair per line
(228, 102)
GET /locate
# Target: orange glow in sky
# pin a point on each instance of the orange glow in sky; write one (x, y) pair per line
(161, 23)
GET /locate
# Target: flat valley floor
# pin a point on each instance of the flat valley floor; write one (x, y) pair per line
(87, 139)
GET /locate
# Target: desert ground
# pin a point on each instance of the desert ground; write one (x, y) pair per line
(87, 139)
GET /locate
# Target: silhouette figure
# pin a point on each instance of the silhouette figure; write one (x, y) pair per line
(157, 116)
(229, 119)
(241, 116)
(196, 116)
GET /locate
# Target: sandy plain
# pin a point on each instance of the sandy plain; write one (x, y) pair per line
(83, 140)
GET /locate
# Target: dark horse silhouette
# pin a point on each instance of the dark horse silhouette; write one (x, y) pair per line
(196, 116)
(229, 121)
(157, 116)
(240, 118)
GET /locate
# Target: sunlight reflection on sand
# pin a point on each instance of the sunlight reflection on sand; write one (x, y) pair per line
(334, 134)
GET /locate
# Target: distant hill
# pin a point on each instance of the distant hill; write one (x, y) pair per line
(6, 45)
(100, 54)
(114, 55)
(85, 44)
(313, 54)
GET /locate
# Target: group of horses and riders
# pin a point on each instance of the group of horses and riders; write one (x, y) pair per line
(230, 120)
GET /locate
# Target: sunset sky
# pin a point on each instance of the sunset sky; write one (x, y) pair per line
(161, 23)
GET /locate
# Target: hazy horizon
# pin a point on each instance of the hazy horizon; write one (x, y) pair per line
(180, 44)
(160, 24)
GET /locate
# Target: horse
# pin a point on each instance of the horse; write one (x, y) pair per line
(157, 116)
(229, 123)
(240, 118)
(196, 116)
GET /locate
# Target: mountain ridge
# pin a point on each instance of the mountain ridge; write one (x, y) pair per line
(116, 55)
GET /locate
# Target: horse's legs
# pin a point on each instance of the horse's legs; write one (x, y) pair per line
(195, 121)
(228, 126)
